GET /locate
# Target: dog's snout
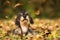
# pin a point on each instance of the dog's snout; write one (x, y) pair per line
(24, 16)
(25, 19)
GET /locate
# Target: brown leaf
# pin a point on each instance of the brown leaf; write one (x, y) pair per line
(37, 12)
(18, 4)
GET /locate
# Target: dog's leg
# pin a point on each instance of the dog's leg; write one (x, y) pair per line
(30, 30)
(21, 34)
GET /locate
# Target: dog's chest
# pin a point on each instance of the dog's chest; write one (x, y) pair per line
(24, 29)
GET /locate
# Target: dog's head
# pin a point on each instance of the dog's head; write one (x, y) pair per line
(23, 18)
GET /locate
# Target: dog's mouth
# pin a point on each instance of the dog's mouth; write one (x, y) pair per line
(25, 22)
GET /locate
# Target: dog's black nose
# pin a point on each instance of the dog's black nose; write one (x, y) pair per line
(24, 16)
(25, 19)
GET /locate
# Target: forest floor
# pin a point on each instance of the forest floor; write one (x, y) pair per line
(40, 26)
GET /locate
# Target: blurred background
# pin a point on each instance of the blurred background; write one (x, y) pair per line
(37, 8)
(45, 14)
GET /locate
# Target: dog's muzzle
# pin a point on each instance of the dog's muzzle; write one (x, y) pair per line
(25, 22)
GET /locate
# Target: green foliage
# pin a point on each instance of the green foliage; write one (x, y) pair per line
(30, 5)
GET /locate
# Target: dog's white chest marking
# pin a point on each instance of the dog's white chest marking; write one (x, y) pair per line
(24, 29)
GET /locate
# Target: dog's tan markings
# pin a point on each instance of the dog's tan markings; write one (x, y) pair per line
(21, 19)
(28, 19)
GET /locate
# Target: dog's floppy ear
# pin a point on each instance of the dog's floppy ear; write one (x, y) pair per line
(31, 20)
(17, 20)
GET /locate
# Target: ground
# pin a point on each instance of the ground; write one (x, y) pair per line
(40, 26)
